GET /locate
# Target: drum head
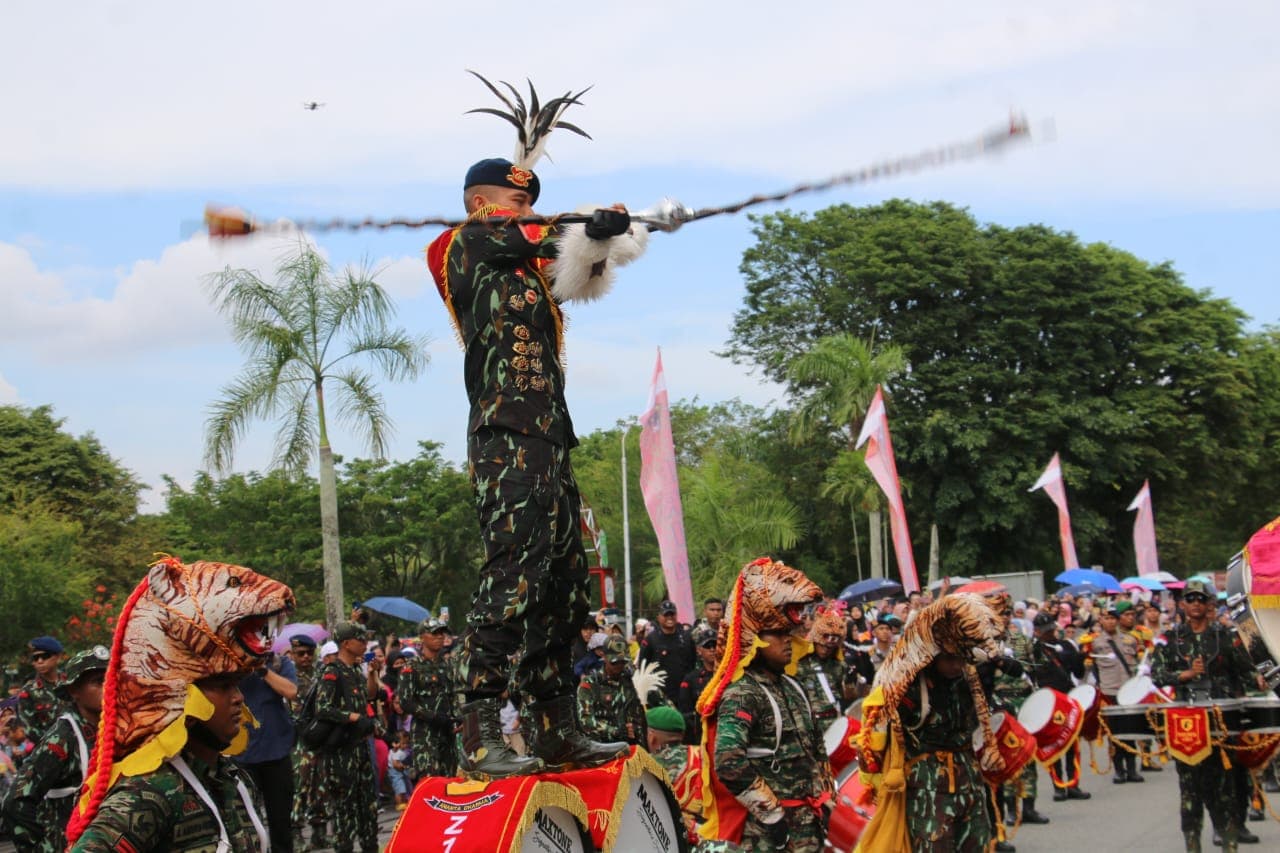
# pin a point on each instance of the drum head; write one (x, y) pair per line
(554, 829)
(1135, 691)
(835, 734)
(1037, 710)
(1085, 695)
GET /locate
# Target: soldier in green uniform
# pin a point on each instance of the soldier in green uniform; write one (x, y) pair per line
(665, 740)
(44, 792)
(1012, 685)
(769, 753)
(309, 796)
(1205, 661)
(532, 598)
(426, 692)
(347, 770)
(38, 701)
(608, 706)
(827, 681)
(946, 794)
(198, 800)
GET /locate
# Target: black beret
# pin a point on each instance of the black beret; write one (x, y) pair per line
(1044, 620)
(498, 172)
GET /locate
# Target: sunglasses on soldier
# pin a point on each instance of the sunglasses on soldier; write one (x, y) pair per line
(1196, 597)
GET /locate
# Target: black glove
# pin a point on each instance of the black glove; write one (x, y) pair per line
(363, 727)
(778, 834)
(607, 222)
(1010, 667)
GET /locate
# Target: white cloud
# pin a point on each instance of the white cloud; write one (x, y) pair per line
(8, 393)
(1146, 95)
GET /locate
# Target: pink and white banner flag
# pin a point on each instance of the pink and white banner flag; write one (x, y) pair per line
(1144, 532)
(875, 434)
(1051, 482)
(661, 490)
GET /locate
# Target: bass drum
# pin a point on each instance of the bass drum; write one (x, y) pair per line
(1259, 630)
(849, 818)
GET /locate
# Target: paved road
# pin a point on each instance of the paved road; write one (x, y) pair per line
(1130, 818)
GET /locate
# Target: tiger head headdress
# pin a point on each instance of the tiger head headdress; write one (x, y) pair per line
(181, 624)
(768, 596)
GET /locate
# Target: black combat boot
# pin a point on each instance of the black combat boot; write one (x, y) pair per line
(1029, 813)
(558, 741)
(484, 752)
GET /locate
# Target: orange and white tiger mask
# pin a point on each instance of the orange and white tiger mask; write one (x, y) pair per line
(192, 621)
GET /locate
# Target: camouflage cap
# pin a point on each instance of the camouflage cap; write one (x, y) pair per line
(615, 650)
(89, 660)
(349, 631)
(1198, 586)
(703, 634)
(431, 625)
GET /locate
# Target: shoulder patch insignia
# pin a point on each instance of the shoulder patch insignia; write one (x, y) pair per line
(330, 676)
(744, 716)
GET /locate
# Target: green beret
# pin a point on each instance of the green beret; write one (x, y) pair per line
(664, 718)
(1121, 606)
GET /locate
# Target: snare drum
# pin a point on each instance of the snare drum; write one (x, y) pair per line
(1090, 701)
(1260, 715)
(1128, 722)
(1258, 629)
(1140, 690)
(848, 818)
(838, 740)
(1015, 745)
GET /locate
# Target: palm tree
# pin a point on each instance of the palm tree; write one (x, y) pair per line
(304, 336)
(837, 378)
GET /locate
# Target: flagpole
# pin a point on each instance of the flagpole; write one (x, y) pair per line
(626, 536)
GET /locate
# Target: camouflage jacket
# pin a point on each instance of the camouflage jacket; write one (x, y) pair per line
(44, 792)
(343, 692)
(608, 708)
(306, 677)
(948, 726)
(1010, 689)
(161, 811)
(749, 751)
(426, 690)
(1228, 672)
(511, 327)
(810, 672)
(39, 705)
(672, 758)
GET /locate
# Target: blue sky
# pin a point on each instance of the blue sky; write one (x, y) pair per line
(1156, 131)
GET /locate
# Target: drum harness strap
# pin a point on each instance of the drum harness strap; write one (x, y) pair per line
(815, 803)
(1128, 673)
(59, 793)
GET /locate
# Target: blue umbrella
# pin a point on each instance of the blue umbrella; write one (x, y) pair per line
(1092, 576)
(869, 589)
(1144, 582)
(400, 608)
(1087, 588)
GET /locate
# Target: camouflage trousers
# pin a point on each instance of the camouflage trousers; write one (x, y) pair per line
(308, 789)
(1210, 786)
(1024, 784)
(533, 585)
(804, 832)
(348, 774)
(947, 804)
(435, 750)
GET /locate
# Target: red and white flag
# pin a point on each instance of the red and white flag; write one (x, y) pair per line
(661, 492)
(1051, 482)
(875, 434)
(1144, 532)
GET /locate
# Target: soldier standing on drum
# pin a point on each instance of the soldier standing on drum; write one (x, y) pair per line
(1204, 661)
(1114, 654)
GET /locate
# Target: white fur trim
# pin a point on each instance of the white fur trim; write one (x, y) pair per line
(584, 269)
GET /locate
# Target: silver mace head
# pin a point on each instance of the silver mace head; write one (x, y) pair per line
(667, 215)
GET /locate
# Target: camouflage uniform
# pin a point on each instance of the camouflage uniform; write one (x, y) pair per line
(1228, 671)
(161, 811)
(672, 758)
(44, 793)
(1009, 693)
(308, 782)
(348, 768)
(811, 672)
(946, 794)
(533, 585)
(39, 705)
(610, 710)
(426, 691)
(755, 764)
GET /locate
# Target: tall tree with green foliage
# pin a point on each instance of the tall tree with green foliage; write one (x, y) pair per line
(304, 337)
(834, 382)
(1021, 341)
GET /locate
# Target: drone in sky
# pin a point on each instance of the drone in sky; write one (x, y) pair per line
(312, 105)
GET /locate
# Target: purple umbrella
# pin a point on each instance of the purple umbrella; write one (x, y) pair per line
(315, 632)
